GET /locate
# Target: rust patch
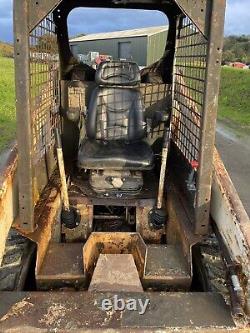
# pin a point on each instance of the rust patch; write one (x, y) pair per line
(235, 205)
(19, 308)
(9, 168)
(142, 226)
(54, 315)
(46, 212)
(8, 197)
(113, 243)
(7, 173)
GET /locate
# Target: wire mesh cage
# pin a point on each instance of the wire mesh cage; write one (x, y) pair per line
(44, 86)
(156, 98)
(189, 88)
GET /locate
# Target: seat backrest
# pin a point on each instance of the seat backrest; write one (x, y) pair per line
(116, 110)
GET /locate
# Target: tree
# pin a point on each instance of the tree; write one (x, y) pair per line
(236, 48)
(47, 44)
(228, 56)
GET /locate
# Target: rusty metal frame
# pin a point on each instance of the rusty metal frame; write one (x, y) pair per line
(46, 217)
(197, 10)
(8, 196)
(208, 126)
(114, 243)
(39, 9)
(24, 137)
(232, 222)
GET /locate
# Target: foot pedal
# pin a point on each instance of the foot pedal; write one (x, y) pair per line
(166, 268)
(115, 273)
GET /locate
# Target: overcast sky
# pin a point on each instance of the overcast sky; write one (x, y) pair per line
(90, 20)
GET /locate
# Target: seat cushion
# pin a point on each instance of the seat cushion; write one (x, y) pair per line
(115, 155)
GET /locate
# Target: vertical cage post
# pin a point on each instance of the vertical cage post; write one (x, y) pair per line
(207, 139)
(24, 137)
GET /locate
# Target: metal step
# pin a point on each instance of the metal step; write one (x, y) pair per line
(166, 268)
(62, 267)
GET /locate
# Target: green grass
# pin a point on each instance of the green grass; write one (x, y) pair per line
(7, 103)
(234, 101)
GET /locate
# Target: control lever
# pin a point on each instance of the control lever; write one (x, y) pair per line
(158, 215)
(68, 216)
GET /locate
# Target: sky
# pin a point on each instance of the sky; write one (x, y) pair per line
(92, 21)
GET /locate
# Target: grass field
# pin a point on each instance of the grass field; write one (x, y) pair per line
(234, 103)
(6, 50)
(7, 103)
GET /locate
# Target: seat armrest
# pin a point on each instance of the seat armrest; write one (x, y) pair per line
(162, 116)
(159, 117)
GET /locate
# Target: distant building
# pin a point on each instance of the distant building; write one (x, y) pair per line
(144, 46)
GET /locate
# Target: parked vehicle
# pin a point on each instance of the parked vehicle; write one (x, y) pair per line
(93, 59)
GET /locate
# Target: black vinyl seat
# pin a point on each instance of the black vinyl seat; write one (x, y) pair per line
(115, 155)
(115, 125)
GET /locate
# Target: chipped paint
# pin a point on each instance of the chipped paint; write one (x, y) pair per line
(232, 221)
(8, 197)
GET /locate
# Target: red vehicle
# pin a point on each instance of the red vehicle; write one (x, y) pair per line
(102, 58)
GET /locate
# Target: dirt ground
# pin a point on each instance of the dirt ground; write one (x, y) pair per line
(234, 148)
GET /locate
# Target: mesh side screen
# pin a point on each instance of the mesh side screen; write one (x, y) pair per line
(156, 97)
(189, 88)
(44, 64)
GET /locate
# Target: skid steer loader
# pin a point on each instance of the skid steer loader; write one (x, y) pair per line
(123, 216)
